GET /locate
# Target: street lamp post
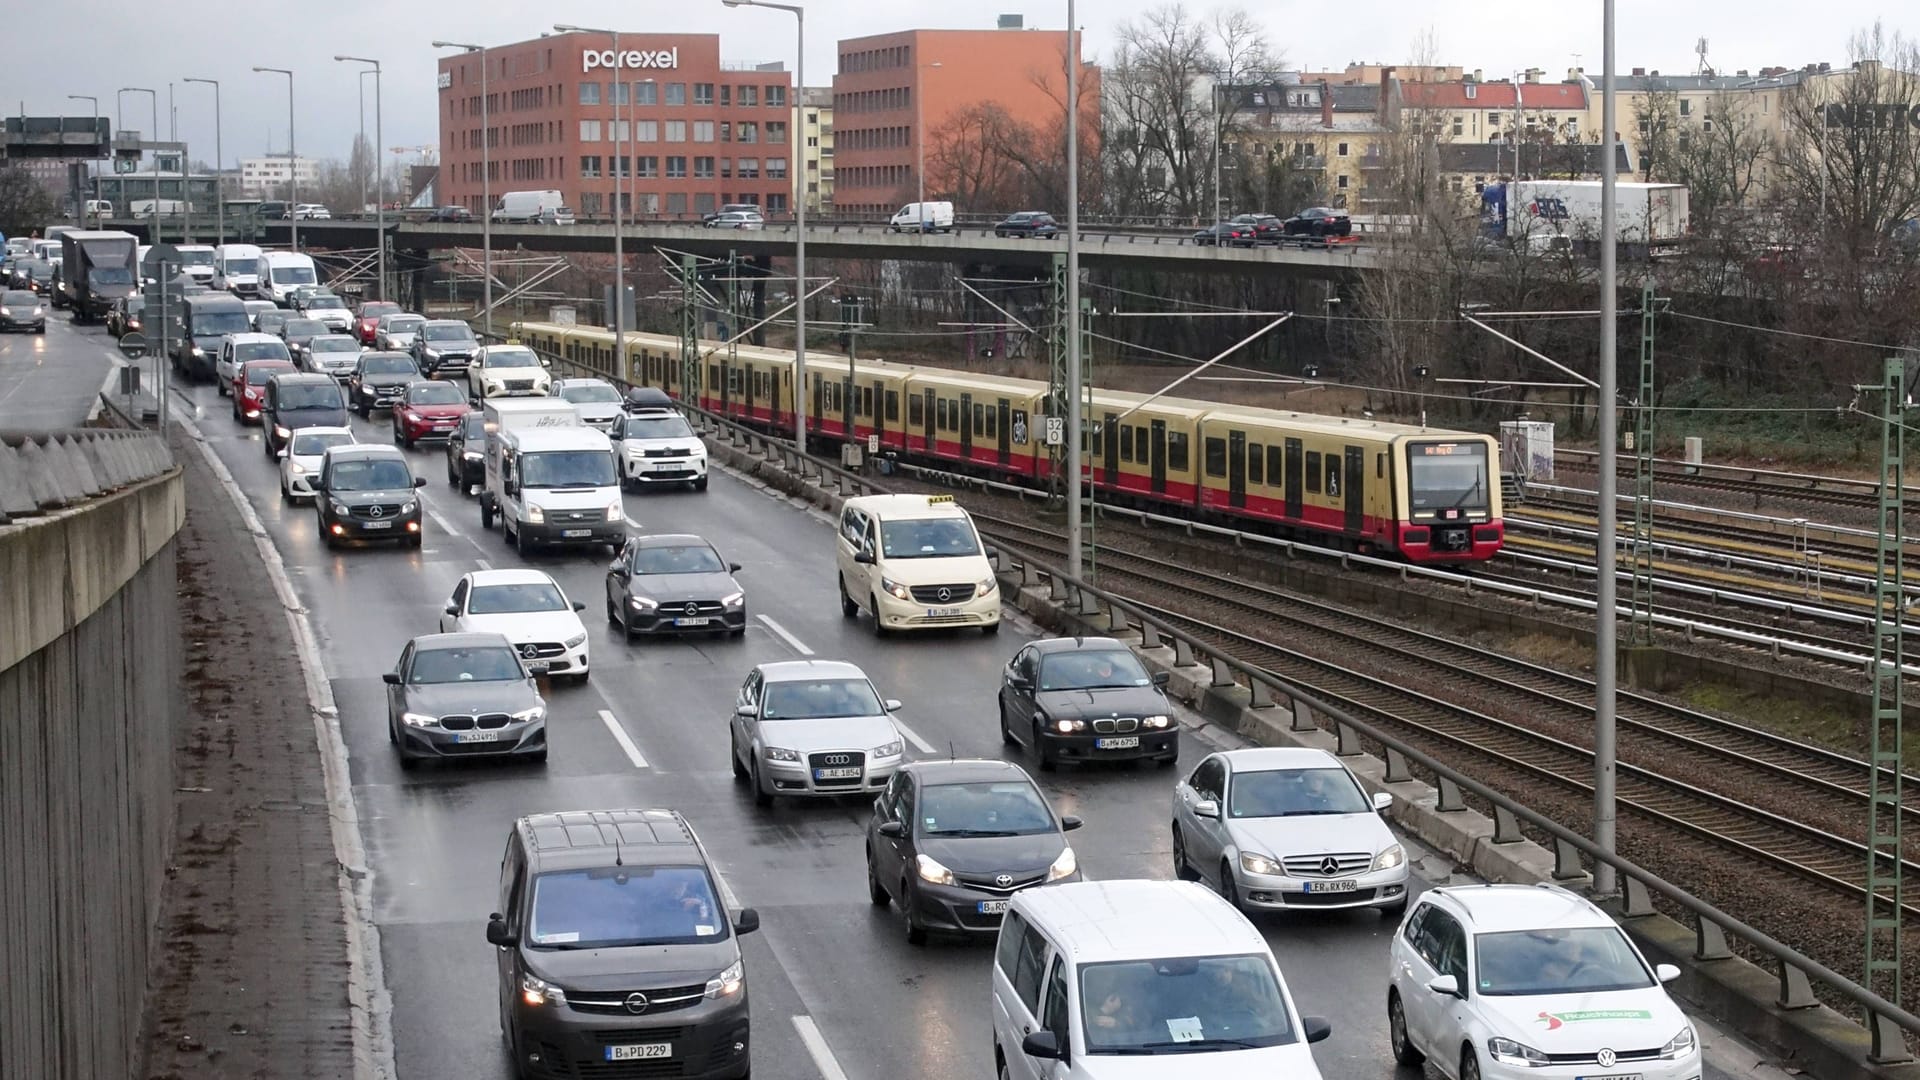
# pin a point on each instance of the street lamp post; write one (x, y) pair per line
(79, 202)
(800, 229)
(293, 164)
(1605, 616)
(920, 143)
(486, 181)
(1075, 436)
(155, 214)
(219, 189)
(379, 184)
(619, 254)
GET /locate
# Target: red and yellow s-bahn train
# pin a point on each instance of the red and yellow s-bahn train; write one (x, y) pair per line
(1428, 495)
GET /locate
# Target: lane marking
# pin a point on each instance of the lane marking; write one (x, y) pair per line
(620, 736)
(798, 646)
(816, 1045)
(727, 896)
(913, 737)
(445, 525)
(484, 564)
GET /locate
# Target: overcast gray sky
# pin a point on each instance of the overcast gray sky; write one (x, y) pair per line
(52, 49)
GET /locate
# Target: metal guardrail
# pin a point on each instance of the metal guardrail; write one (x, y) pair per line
(41, 472)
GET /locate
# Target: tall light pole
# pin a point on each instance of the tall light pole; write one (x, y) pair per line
(379, 185)
(293, 164)
(219, 159)
(1074, 422)
(1604, 643)
(619, 254)
(154, 97)
(79, 201)
(799, 227)
(486, 180)
(363, 135)
(920, 141)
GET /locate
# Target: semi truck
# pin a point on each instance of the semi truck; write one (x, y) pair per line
(96, 269)
(1549, 215)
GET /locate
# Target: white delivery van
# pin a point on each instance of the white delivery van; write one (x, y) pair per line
(932, 216)
(236, 268)
(526, 206)
(99, 208)
(551, 483)
(914, 562)
(287, 271)
(196, 261)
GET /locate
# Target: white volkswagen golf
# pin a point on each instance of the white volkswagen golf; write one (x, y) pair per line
(529, 608)
(1534, 981)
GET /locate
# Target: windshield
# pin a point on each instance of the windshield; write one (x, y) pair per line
(567, 468)
(1447, 476)
(473, 426)
(385, 365)
(517, 598)
(329, 303)
(20, 299)
(1092, 669)
(334, 344)
(434, 393)
(305, 445)
(195, 258)
(216, 323)
(449, 333)
(376, 310)
(1572, 960)
(369, 474)
(998, 808)
(591, 392)
(309, 396)
(1295, 793)
(1182, 1005)
(112, 275)
(658, 427)
(819, 699)
(928, 538)
(293, 275)
(624, 907)
(258, 374)
(512, 358)
(307, 327)
(484, 663)
(403, 324)
(679, 559)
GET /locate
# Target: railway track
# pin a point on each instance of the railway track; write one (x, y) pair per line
(1762, 486)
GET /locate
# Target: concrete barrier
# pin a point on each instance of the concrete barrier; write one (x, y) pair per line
(42, 471)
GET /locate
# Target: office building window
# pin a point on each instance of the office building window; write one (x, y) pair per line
(646, 131)
(676, 167)
(589, 131)
(649, 202)
(676, 93)
(775, 202)
(776, 168)
(589, 93)
(649, 167)
(749, 95)
(1341, 149)
(749, 168)
(676, 131)
(703, 168)
(726, 131)
(813, 118)
(620, 166)
(703, 93)
(748, 131)
(776, 97)
(1341, 182)
(589, 167)
(726, 172)
(703, 202)
(703, 131)
(777, 131)
(646, 92)
(590, 204)
(726, 94)
(619, 93)
(617, 130)
(676, 202)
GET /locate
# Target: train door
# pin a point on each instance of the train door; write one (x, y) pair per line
(880, 410)
(1005, 430)
(746, 389)
(932, 432)
(1237, 469)
(816, 403)
(1110, 448)
(1296, 478)
(965, 422)
(1356, 505)
(1159, 461)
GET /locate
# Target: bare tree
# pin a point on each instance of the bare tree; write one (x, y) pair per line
(1657, 115)
(25, 206)
(1850, 149)
(968, 161)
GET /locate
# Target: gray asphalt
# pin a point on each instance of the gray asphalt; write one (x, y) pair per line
(50, 381)
(886, 1009)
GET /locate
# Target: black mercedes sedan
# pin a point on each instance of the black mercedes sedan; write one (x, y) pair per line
(379, 379)
(465, 695)
(666, 584)
(950, 842)
(1086, 699)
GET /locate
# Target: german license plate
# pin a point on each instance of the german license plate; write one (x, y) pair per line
(942, 612)
(698, 621)
(573, 533)
(640, 1052)
(1612, 1076)
(665, 466)
(477, 736)
(1342, 885)
(994, 907)
(1118, 742)
(836, 774)
(377, 525)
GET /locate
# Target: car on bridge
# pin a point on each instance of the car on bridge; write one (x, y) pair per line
(730, 208)
(457, 215)
(738, 219)
(812, 728)
(1035, 223)
(1320, 221)
(463, 695)
(1267, 228)
(1226, 234)
(312, 212)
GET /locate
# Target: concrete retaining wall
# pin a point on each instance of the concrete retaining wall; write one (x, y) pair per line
(90, 658)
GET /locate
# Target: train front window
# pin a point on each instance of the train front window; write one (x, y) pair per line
(1448, 476)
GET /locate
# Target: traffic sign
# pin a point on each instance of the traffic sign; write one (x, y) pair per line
(1056, 430)
(133, 346)
(873, 444)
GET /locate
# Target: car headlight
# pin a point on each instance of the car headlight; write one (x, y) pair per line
(1393, 856)
(986, 587)
(409, 506)
(1509, 1052)
(781, 753)
(642, 603)
(892, 749)
(410, 415)
(536, 991)
(471, 455)
(527, 716)
(1156, 723)
(198, 351)
(37, 312)
(728, 982)
(931, 871)
(280, 432)
(536, 515)
(1680, 1045)
(895, 589)
(616, 511)
(1065, 866)
(414, 719)
(576, 641)
(1258, 864)
(340, 510)
(735, 600)
(1068, 727)
(296, 468)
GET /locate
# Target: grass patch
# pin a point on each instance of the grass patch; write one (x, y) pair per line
(1821, 725)
(1562, 653)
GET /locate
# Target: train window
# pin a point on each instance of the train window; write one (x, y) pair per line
(1096, 445)
(940, 414)
(866, 401)
(916, 411)
(1274, 468)
(1313, 471)
(979, 419)
(893, 404)
(1379, 466)
(1255, 475)
(1140, 440)
(1177, 451)
(1216, 457)
(1333, 474)
(1126, 442)
(993, 423)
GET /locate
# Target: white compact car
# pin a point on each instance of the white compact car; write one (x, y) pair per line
(1534, 981)
(507, 371)
(812, 728)
(596, 399)
(529, 608)
(300, 461)
(237, 349)
(1284, 827)
(656, 446)
(397, 332)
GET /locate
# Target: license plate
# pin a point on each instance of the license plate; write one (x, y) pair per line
(994, 907)
(377, 525)
(1612, 1076)
(477, 736)
(1119, 742)
(836, 774)
(670, 466)
(570, 533)
(640, 1052)
(942, 612)
(1343, 885)
(699, 621)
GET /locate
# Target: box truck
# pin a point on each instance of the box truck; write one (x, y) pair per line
(97, 268)
(1550, 214)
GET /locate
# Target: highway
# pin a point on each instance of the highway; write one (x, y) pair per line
(46, 380)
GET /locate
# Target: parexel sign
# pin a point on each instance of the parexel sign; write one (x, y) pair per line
(630, 58)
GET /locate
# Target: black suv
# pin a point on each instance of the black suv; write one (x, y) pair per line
(378, 380)
(467, 452)
(616, 954)
(1320, 221)
(444, 347)
(458, 214)
(1086, 699)
(1267, 229)
(296, 400)
(365, 492)
(1034, 223)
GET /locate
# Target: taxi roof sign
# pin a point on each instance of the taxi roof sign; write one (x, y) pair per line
(936, 500)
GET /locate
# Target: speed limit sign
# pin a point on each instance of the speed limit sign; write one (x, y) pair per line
(1056, 430)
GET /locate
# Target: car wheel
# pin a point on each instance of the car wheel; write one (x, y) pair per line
(236, 410)
(1403, 1048)
(538, 757)
(520, 545)
(700, 484)
(848, 608)
(879, 628)
(285, 495)
(1229, 889)
(613, 613)
(220, 388)
(875, 891)
(1047, 763)
(416, 540)
(733, 757)
(1469, 1064)
(761, 796)
(1181, 870)
(990, 629)
(408, 762)
(391, 736)
(486, 513)
(1006, 733)
(916, 934)
(453, 478)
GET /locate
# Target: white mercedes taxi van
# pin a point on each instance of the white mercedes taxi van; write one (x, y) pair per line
(913, 562)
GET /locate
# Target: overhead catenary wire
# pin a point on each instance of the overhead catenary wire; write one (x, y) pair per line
(1790, 333)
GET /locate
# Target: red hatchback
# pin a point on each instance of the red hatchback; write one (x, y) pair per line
(250, 387)
(429, 409)
(367, 323)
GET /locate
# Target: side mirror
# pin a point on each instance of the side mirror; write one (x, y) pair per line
(391, 678)
(544, 362)
(282, 455)
(1042, 1044)
(1382, 801)
(892, 704)
(733, 568)
(743, 710)
(864, 558)
(1206, 808)
(1666, 973)
(578, 606)
(1161, 679)
(497, 932)
(1316, 1028)
(538, 668)
(1068, 823)
(419, 481)
(453, 610)
(1445, 984)
(747, 921)
(892, 829)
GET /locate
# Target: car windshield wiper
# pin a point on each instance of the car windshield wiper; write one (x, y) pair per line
(977, 832)
(1198, 1044)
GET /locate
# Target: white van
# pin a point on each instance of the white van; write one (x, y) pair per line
(914, 562)
(932, 217)
(236, 268)
(552, 485)
(1089, 977)
(197, 262)
(521, 207)
(287, 271)
(99, 208)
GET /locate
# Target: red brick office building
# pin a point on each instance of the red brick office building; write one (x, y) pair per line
(692, 134)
